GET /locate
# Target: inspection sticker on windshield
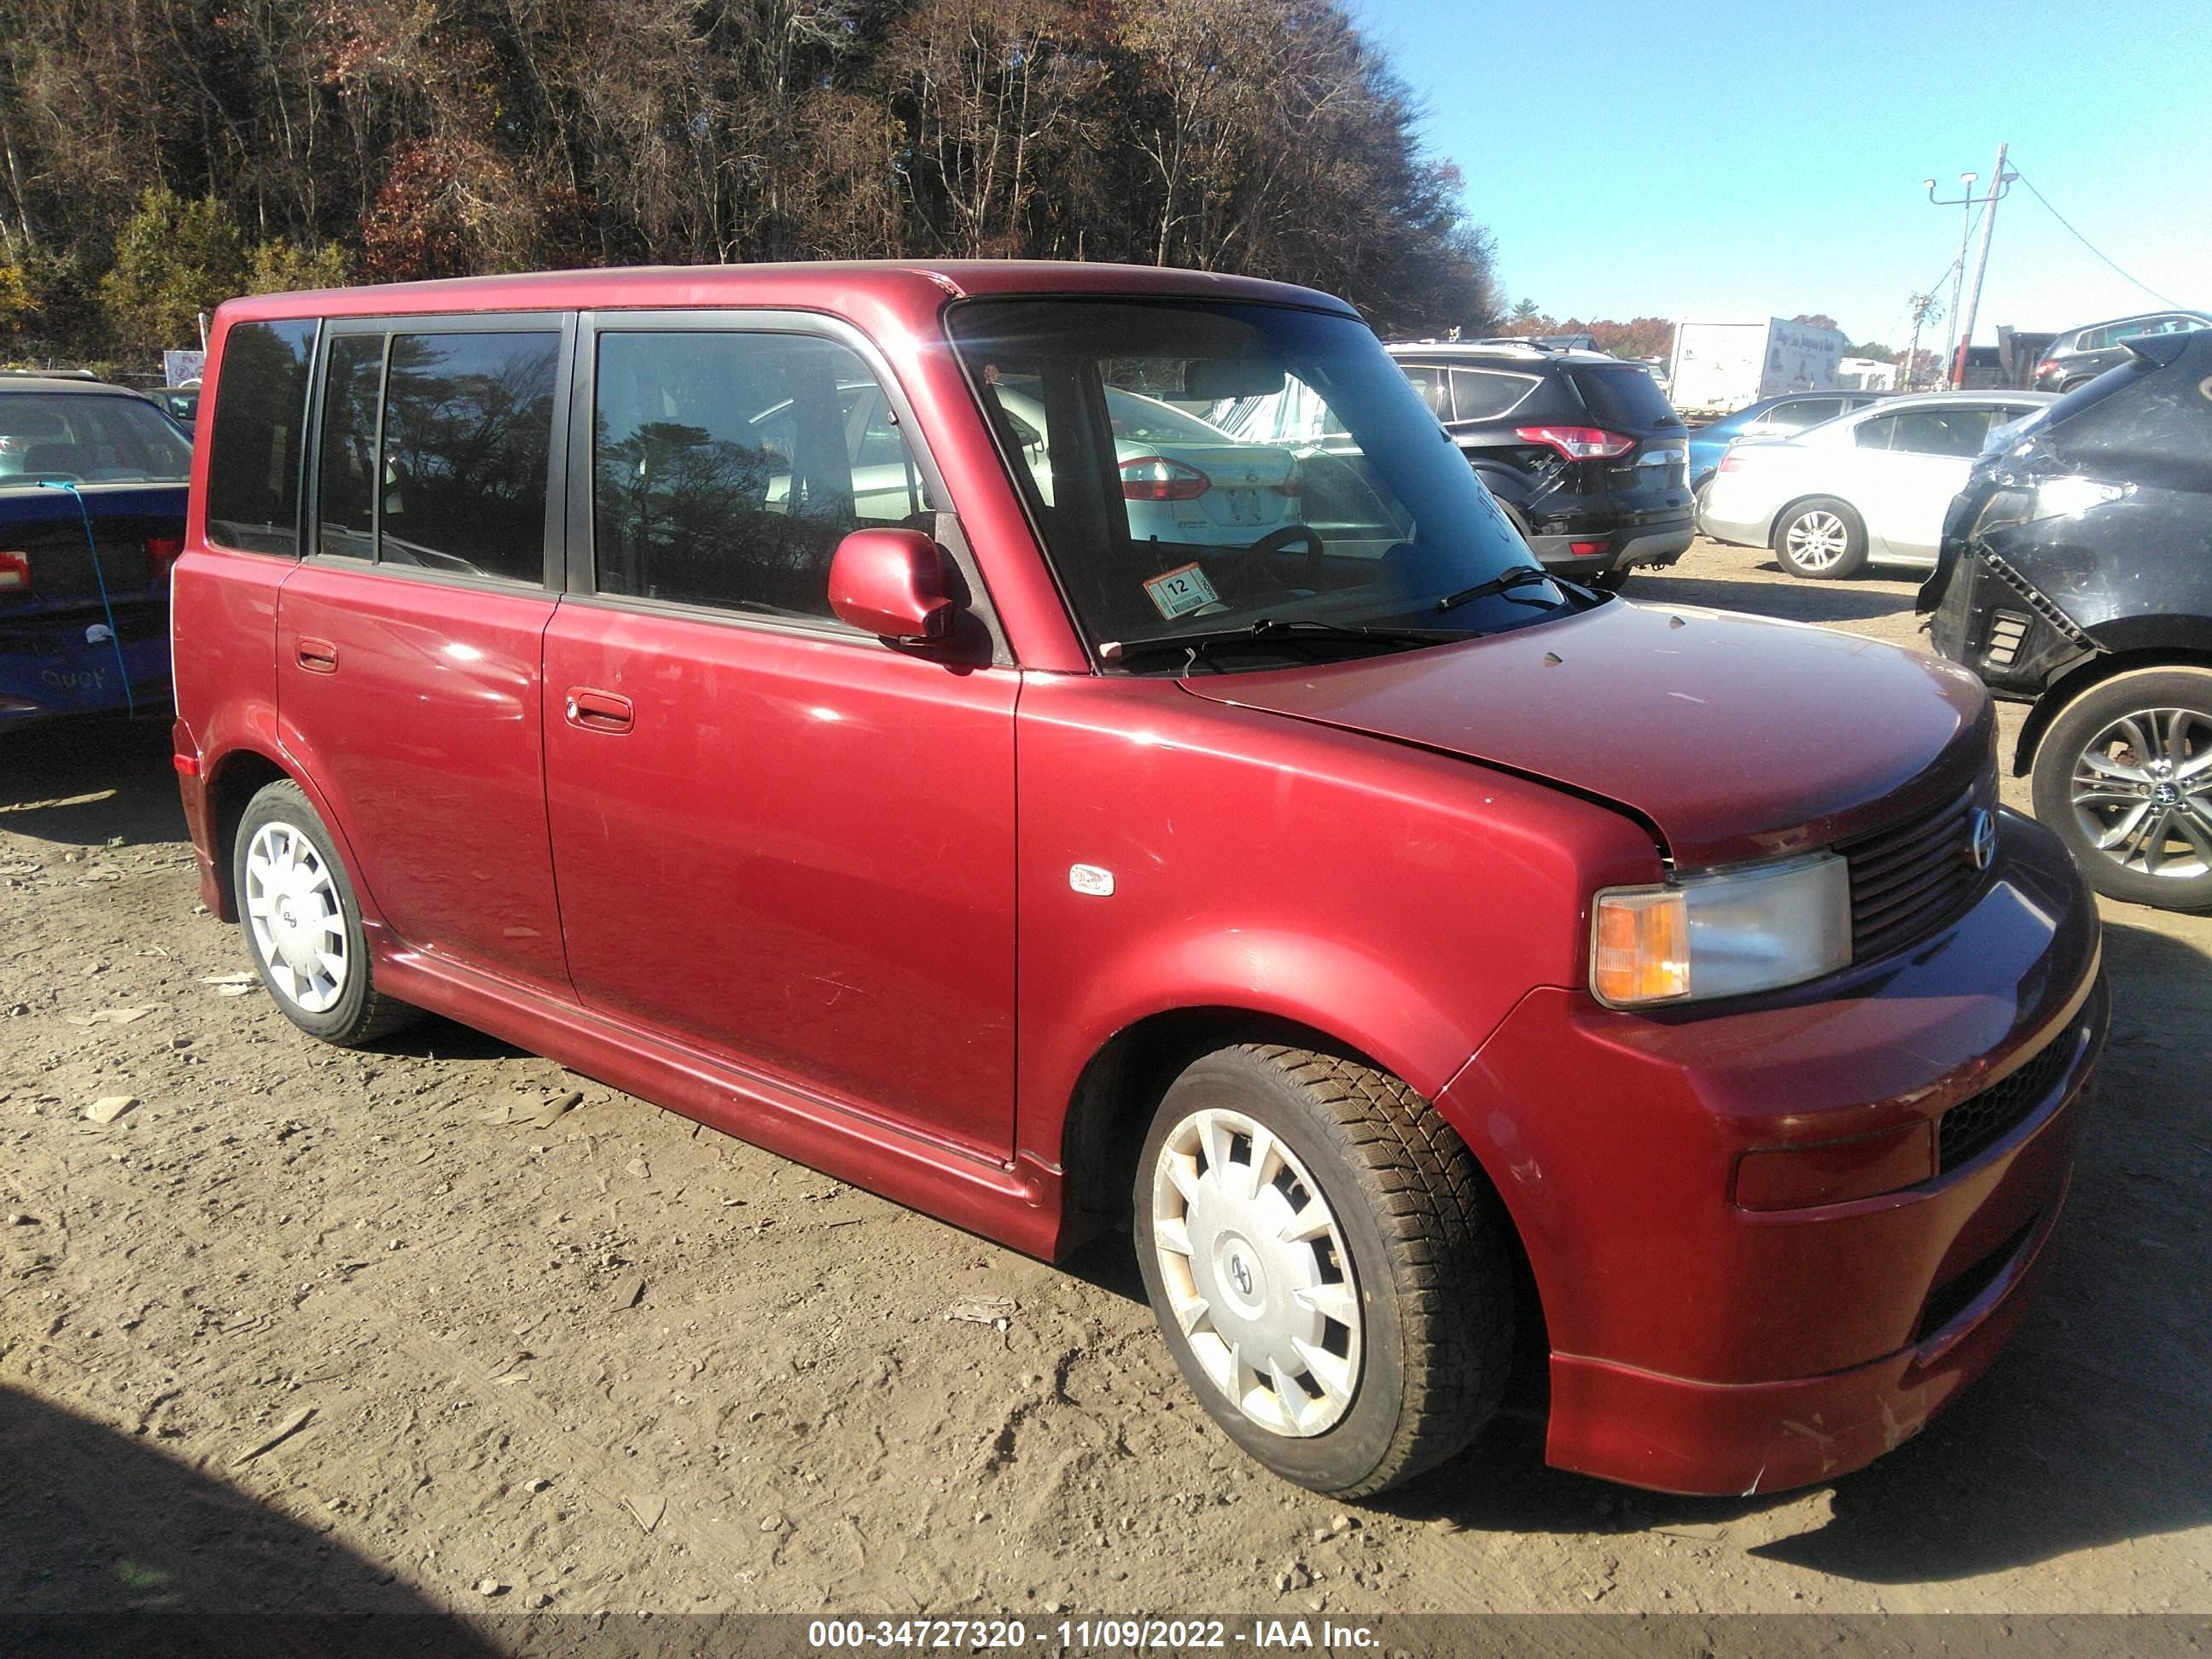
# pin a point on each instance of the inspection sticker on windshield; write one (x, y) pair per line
(1179, 592)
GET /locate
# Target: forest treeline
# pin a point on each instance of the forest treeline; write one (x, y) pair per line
(156, 155)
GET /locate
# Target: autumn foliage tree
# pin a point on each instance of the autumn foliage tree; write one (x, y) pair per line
(406, 138)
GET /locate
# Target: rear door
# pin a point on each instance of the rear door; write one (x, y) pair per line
(780, 841)
(408, 639)
(1910, 464)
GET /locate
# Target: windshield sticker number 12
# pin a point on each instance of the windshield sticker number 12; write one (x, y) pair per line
(1179, 592)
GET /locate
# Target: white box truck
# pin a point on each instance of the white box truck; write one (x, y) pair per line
(1718, 366)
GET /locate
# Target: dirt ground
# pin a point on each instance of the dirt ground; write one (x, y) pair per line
(605, 1360)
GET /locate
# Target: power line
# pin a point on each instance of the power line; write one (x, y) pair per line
(2087, 243)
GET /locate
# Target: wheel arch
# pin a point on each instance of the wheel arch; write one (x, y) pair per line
(2085, 676)
(1115, 1098)
(234, 779)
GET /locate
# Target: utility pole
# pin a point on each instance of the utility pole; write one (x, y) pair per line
(1965, 206)
(1998, 180)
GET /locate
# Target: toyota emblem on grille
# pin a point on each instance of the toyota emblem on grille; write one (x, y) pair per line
(1982, 838)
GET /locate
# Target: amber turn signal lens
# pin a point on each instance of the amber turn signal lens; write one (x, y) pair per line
(1642, 951)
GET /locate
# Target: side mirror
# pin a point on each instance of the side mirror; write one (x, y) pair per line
(891, 583)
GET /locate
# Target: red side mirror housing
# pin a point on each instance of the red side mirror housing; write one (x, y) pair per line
(891, 583)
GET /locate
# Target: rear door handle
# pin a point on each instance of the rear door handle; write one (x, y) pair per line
(597, 711)
(318, 656)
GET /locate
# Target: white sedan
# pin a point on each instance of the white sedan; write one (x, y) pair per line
(1873, 484)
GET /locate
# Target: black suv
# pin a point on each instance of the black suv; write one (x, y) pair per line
(2075, 572)
(1582, 450)
(2080, 355)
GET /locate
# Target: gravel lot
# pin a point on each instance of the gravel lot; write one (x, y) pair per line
(601, 1359)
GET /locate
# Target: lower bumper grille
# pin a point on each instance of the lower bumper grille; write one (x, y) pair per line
(1979, 1122)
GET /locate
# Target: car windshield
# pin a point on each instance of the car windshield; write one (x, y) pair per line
(1197, 467)
(88, 438)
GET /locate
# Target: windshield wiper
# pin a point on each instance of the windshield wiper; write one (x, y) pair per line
(1275, 629)
(1513, 577)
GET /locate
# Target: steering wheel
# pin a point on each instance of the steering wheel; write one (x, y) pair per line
(1256, 556)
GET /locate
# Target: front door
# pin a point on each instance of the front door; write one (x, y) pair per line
(1915, 461)
(779, 841)
(408, 639)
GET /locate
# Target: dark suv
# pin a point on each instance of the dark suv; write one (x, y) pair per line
(2074, 575)
(1583, 451)
(2080, 355)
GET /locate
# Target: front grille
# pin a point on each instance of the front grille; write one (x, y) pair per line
(1910, 880)
(1980, 1120)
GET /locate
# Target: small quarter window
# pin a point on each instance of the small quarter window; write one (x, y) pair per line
(253, 453)
(345, 494)
(726, 467)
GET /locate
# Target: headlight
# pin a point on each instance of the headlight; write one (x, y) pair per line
(1724, 934)
(2050, 498)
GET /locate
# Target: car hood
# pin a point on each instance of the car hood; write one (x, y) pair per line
(1731, 737)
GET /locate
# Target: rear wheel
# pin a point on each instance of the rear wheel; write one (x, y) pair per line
(1822, 540)
(1328, 1266)
(302, 924)
(2124, 776)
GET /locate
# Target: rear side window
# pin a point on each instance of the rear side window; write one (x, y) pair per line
(1624, 397)
(726, 467)
(1808, 411)
(468, 420)
(253, 453)
(1955, 431)
(1480, 394)
(1429, 381)
(345, 490)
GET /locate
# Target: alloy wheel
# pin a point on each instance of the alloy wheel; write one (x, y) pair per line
(292, 905)
(2142, 791)
(1817, 539)
(1256, 1269)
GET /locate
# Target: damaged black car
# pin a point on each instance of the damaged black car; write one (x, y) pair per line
(2076, 574)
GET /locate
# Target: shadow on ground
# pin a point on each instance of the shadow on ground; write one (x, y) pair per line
(2090, 1429)
(82, 785)
(1856, 600)
(107, 1545)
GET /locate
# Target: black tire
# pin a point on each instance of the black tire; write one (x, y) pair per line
(1430, 1267)
(1822, 515)
(358, 1013)
(2153, 696)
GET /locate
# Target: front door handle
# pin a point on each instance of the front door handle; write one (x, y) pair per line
(317, 656)
(597, 711)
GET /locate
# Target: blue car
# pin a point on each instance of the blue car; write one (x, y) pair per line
(1770, 417)
(91, 516)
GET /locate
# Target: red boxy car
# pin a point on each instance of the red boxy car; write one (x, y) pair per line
(803, 697)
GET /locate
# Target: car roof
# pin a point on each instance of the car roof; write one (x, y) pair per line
(2003, 394)
(2138, 316)
(52, 383)
(1450, 351)
(887, 290)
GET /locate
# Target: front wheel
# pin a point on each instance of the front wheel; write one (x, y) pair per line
(302, 924)
(1821, 540)
(2124, 776)
(1328, 1264)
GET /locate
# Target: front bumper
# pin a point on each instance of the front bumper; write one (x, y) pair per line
(1996, 623)
(1699, 1347)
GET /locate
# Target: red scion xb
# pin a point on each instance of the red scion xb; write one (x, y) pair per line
(1069, 747)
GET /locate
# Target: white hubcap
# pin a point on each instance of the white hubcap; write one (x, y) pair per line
(299, 928)
(1817, 540)
(1256, 1272)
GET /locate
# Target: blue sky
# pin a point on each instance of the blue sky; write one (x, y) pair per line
(1713, 158)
